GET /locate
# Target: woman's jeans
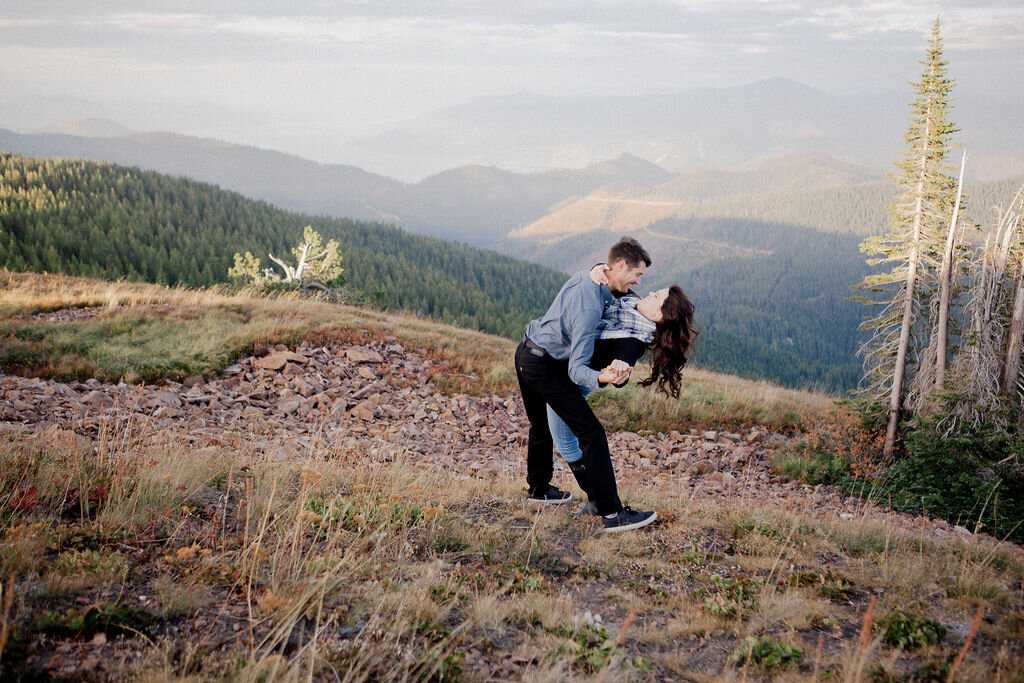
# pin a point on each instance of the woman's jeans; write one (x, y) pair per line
(566, 443)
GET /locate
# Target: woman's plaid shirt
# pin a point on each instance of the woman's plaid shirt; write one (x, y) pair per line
(621, 319)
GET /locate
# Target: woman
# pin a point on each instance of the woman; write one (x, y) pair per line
(662, 322)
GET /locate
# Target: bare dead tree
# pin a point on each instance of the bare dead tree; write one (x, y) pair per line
(295, 274)
(317, 266)
(946, 282)
(976, 373)
(896, 394)
(1014, 220)
(1012, 379)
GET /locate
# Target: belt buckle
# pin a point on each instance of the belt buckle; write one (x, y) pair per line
(532, 347)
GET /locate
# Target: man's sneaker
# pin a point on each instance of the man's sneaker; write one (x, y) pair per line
(628, 519)
(589, 509)
(551, 496)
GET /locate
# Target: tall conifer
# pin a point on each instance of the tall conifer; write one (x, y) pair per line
(914, 246)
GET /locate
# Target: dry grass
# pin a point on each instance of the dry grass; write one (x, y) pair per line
(147, 332)
(28, 293)
(691, 622)
(219, 562)
(709, 398)
(226, 564)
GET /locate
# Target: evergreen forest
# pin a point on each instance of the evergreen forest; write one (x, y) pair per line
(108, 221)
(782, 311)
(772, 300)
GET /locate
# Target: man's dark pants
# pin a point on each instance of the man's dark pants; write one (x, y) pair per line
(545, 381)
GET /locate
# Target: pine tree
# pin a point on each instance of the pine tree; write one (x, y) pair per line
(919, 218)
(246, 269)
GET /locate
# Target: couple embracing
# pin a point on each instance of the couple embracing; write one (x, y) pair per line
(592, 335)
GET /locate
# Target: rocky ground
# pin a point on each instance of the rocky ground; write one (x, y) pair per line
(374, 402)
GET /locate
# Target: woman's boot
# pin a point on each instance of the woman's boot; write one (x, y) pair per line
(579, 470)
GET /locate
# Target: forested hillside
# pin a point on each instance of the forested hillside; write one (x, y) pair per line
(474, 204)
(771, 299)
(103, 220)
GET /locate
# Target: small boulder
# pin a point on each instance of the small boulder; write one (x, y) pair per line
(288, 405)
(272, 362)
(97, 398)
(364, 411)
(361, 355)
(278, 359)
(705, 467)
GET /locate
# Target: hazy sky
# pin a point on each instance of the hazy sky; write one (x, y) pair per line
(283, 74)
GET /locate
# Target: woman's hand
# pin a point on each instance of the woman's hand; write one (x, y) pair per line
(616, 373)
(599, 273)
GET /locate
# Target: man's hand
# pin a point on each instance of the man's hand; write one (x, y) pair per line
(616, 373)
(599, 273)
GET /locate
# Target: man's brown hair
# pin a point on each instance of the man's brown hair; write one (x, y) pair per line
(629, 249)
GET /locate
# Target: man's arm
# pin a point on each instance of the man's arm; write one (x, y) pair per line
(583, 326)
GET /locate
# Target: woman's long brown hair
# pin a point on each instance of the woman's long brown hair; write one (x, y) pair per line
(672, 339)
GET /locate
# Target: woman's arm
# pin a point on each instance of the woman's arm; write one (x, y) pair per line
(626, 349)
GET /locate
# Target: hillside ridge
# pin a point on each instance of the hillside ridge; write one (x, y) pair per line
(374, 400)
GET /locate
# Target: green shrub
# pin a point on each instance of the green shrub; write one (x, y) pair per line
(590, 648)
(814, 469)
(766, 653)
(959, 478)
(730, 597)
(903, 631)
(972, 476)
(841, 446)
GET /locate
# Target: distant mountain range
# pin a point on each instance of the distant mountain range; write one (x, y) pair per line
(474, 204)
(89, 128)
(709, 148)
(705, 129)
(696, 130)
(495, 208)
(798, 188)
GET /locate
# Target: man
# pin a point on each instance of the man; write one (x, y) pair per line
(552, 361)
